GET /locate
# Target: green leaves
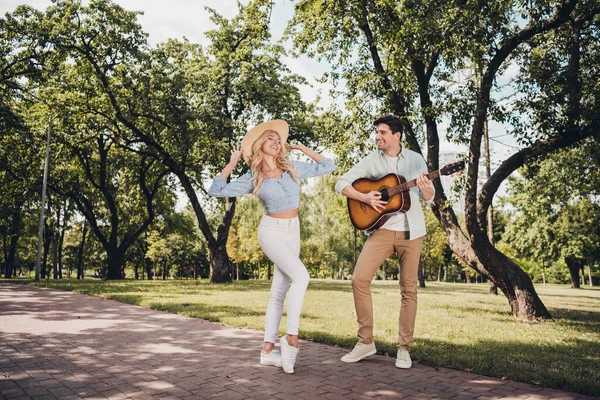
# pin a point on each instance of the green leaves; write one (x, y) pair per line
(556, 211)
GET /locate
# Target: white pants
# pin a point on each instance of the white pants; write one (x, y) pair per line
(279, 238)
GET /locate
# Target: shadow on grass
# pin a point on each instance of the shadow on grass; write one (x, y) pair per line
(214, 313)
(471, 310)
(573, 365)
(328, 338)
(575, 296)
(584, 321)
(206, 311)
(167, 287)
(330, 286)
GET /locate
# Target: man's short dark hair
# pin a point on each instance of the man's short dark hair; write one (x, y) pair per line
(392, 121)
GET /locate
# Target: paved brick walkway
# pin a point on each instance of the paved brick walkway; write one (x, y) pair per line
(56, 344)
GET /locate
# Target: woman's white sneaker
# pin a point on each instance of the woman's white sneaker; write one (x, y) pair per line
(288, 355)
(273, 358)
(359, 352)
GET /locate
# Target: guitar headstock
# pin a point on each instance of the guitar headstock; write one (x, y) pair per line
(452, 168)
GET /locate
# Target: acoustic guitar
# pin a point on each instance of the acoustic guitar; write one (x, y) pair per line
(394, 189)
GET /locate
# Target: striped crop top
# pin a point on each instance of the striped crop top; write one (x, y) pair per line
(277, 194)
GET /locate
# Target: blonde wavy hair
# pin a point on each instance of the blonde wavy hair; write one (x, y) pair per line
(257, 157)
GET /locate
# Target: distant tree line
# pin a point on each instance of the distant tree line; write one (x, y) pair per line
(132, 123)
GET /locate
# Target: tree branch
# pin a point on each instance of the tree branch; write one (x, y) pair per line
(561, 15)
(539, 149)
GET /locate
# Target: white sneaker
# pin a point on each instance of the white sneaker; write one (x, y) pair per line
(288, 355)
(273, 358)
(403, 359)
(359, 352)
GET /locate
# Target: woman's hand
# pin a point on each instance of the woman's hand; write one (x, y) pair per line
(236, 154)
(300, 147)
(309, 152)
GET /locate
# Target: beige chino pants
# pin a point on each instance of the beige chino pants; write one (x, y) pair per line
(378, 247)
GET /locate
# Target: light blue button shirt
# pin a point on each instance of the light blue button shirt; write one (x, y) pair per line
(277, 194)
(410, 165)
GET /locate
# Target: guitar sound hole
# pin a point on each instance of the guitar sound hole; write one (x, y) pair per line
(384, 195)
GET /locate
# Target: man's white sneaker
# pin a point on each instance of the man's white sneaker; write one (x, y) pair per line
(359, 352)
(288, 355)
(403, 359)
(273, 358)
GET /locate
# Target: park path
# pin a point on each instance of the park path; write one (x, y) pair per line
(64, 345)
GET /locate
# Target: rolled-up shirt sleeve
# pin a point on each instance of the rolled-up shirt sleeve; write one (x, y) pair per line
(238, 187)
(309, 170)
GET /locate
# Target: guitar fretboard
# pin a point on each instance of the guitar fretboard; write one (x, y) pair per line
(407, 185)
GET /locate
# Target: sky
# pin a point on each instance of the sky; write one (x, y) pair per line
(188, 18)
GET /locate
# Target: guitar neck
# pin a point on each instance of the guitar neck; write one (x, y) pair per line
(410, 184)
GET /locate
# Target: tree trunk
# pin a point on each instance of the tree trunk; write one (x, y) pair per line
(10, 260)
(514, 283)
(148, 265)
(14, 233)
(269, 271)
(114, 262)
(61, 242)
(55, 240)
(420, 274)
(508, 277)
(218, 259)
(574, 265)
(46, 245)
(5, 252)
(80, 251)
(220, 264)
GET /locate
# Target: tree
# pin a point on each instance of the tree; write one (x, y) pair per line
(102, 184)
(404, 58)
(434, 248)
(181, 104)
(20, 173)
(243, 245)
(159, 252)
(329, 237)
(557, 211)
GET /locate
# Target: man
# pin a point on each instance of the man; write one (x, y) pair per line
(403, 232)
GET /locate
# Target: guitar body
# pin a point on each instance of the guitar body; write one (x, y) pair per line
(363, 216)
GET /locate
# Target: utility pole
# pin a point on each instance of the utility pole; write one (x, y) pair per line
(43, 205)
(16, 86)
(490, 213)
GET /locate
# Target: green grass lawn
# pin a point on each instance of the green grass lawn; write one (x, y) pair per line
(459, 326)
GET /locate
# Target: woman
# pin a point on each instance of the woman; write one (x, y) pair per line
(276, 181)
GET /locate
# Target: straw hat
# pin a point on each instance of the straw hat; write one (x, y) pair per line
(278, 125)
